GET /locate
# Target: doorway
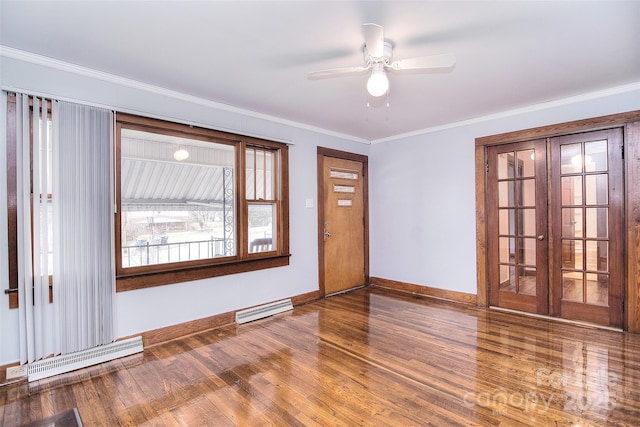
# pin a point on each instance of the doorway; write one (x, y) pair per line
(554, 220)
(342, 221)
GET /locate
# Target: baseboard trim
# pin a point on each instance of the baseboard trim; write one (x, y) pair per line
(306, 298)
(455, 296)
(169, 333)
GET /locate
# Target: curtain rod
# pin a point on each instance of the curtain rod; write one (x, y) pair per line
(12, 89)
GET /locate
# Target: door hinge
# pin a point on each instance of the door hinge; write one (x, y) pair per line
(623, 306)
(622, 151)
(486, 167)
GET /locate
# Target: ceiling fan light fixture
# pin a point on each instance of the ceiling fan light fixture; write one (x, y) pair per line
(378, 83)
(378, 57)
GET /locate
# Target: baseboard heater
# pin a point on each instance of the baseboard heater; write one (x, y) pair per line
(262, 311)
(70, 362)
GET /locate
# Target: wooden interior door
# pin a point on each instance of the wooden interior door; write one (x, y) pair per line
(517, 226)
(342, 217)
(581, 210)
(587, 209)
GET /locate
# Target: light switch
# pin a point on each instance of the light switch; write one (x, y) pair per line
(309, 203)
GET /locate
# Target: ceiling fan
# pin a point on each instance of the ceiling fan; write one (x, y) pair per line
(378, 55)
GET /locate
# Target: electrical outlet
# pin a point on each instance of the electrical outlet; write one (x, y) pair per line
(16, 372)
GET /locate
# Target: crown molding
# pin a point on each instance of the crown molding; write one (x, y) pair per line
(617, 90)
(33, 58)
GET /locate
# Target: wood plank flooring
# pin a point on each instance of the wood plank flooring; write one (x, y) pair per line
(369, 357)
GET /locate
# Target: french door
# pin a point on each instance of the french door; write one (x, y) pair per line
(518, 249)
(555, 211)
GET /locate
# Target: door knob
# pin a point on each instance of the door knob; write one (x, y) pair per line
(327, 234)
(541, 237)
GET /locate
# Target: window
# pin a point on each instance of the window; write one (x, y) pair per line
(40, 146)
(177, 199)
(262, 205)
(185, 209)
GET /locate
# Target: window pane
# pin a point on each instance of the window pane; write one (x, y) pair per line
(507, 250)
(528, 194)
(260, 175)
(46, 166)
(526, 163)
(597, 222)
(250, 176)
(527, 251)
(572, 286)
(177, 199)
(571, 158)
(49, 212)
(528, 225)
(572, 254)
(527, 280)
(505, 165)
(506, 194)
(508, 278)
(49, 155)
(262, 227)
(596, 187)
(595, 156)
(269, 182)
(597, 255)
(507, 221)
(597, 289)
(571, 190)
(571, 222)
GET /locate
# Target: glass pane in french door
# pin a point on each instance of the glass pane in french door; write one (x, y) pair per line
(585, 209)
(517, 197)
(517, 224)
(588, 276)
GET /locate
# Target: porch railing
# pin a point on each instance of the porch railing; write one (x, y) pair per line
(145, 253)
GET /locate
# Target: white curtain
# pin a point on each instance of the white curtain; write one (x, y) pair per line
(70, 225)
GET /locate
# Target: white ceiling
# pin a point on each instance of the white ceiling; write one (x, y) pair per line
(255, 55)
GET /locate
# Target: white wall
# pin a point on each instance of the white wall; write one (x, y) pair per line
(146, 309)
(422, 192)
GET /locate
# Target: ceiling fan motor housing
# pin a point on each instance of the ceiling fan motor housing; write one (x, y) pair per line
(386, 57)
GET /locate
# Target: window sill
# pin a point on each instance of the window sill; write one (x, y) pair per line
(148, 280)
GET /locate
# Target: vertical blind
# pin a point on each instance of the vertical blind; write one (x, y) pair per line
(84, 284)
(66, 225)
(37, 330)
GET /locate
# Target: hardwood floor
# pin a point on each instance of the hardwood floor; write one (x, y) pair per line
(369, 357)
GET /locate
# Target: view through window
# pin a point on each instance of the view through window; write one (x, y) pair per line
(177, 199)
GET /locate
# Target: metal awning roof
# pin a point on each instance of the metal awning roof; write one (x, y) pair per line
(151, 178)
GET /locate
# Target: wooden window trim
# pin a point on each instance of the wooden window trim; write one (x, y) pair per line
(148, 280)
(12, 203)
(156, 275)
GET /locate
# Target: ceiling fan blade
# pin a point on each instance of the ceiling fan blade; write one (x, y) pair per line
(425, 62)
(373, 39)
(335, 72)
